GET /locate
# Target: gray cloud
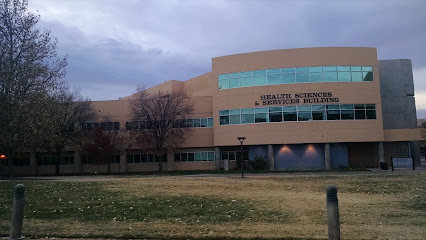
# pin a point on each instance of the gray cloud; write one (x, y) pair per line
(115, 45)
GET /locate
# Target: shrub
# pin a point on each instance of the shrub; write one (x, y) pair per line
(259, 163)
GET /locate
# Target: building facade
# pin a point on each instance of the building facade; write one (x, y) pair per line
(312, 108)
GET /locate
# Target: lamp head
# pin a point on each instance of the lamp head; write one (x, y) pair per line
(241, 139)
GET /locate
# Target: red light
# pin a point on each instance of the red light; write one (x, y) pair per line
(2, 156)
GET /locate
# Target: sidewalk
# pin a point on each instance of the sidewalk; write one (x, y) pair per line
(97, 178)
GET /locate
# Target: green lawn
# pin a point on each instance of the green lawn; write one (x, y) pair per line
(270, 207)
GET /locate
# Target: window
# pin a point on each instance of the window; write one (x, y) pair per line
(144, 158)
(184, 157)
(333, 114)
(115, 158)
(197, 123)
(224, 117)
(296, 75)
(223, 81)
(247, 115)
(356, 74)
(191, 157)
(318, 112)
(315, 77)
(275, 114)
(177, 157)
(109, 126)
(87, 159)
(344, 76)
(21, 161)
(261, 115)
(304, 113)
(371, 111)
(209, 122)
(66, 160)
(235, 116)
(347, 111)
(106, 126)
(274, 79)
(136, 158)
(288, 78)
(193, 122)
(234, 82)
(290, 113)
(259, 80)
(233, 155)
(246, 81)
(46, 160)
(203, 122)
(197, 156)
(302, 77)
(194, 156)
(304, 116)
(330, 76)
(130, 158)
(298, 113)
(210, 156)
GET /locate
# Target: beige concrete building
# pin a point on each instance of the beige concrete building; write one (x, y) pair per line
(311, 108)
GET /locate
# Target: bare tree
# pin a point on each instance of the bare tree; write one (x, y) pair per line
(160, 117)
(30, 70)
(100, 146)
(65, 125)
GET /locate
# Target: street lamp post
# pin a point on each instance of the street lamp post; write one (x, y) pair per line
(241, 139)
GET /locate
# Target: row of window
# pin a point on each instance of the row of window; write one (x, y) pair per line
(142, 157)
(298, 113)
(181, 123)
(106, 126)
(51, 160)
(194, 156)
(69, 160)
(87, 159)
(233, 155)
(25, 161)
(135, 158)
(195, 122)
(296, 75)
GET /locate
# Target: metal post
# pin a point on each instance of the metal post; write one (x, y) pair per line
(333, 213)
(18, 212)
(242, 161)
(241, 139)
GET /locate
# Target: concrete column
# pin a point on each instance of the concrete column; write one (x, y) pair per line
(381, 153)
(170, 161)
(327, 156)
(217, 157)
(415, 152)
(33, 163)
(123, 161)
(271, 157)
(77, 162)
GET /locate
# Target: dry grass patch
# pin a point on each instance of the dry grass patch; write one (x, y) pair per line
(264, 207)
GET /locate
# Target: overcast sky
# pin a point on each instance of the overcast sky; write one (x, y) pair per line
(115, 45)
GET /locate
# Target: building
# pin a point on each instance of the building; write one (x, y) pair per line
(310, 108)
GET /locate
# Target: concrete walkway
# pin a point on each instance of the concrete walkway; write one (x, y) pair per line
(96, 178)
